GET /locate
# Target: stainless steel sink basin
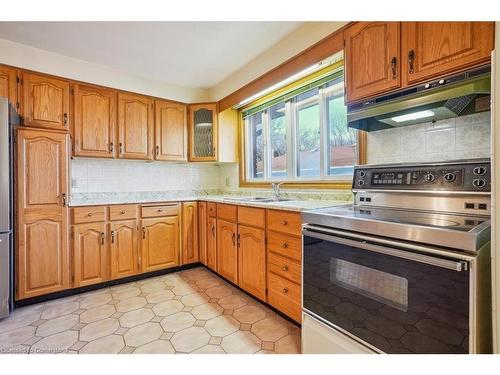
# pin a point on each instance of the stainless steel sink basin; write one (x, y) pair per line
(256, 199)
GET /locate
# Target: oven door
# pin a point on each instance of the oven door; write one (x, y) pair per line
(385, 296)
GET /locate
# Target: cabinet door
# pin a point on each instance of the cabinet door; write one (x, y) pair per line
(160, 243)
(8, 84)
(432, 49)
(202, 231)
(124, 249)
(227, 251)
(212, 243)
(45, 101)
(190, 252)
(42, 251)
(252, 260)
(135, 127)
(90, 254)
(372, 59)
(170, 131)
(94, 121)
(203, 132)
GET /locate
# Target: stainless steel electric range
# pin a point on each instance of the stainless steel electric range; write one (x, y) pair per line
(406, 268)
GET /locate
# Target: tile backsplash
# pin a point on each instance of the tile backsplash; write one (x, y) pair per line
(457, 138)
(97, 175)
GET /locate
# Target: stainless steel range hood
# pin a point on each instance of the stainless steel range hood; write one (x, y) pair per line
(452, 96)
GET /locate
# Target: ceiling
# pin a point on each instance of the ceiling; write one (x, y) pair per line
(190, 54)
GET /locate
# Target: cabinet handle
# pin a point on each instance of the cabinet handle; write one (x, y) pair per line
(90, 214)
(234, 239)
(122, 212)
(393, 67)
(63, 197)
(213, 231)
(111, 147)
(411, 59)
(112, 236)
(143, 233)
(102, 238)
(284, 222)
(284, 245)
(120, 148)
(157, 150)
(160, 210)
(285, 290)
(238, 239)
(285, 268)
(65, 117)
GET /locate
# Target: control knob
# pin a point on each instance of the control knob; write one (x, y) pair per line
(479, 171)
(429, 177)
(450, 177)
(479, 182)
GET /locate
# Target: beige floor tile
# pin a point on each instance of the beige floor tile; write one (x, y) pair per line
(207, 311)
(222, 325)
(184, 290)
(268, 345)
(95, 300)
(177, 322)
(232, 302)
(99, 329)
(107, 345)
(97, 313)
(219, 291)
(127, 350)
(208, 283)
(126, 293)
(168, 308)
(56, 343)
(16, 336)
(196, 299)
(215, 340)
(209, 349)
(190, 339)
(288, 345)
(265, 352)
(241, 343)
(56, 310)
(136, 317)
(56, 325)
(19, 320)
(249, 314)
(32, 340)
(78, 345)
(156, 347)
(153, 286)
(143, 334)
(130, 304)
(270, 329)
(159, 296)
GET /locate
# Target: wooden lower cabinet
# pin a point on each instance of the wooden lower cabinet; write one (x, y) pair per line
(227, 251)
(90, 254)
(189, 233)
(124, 249)
(252, 260)
(160, 243)
(202, 231)
(212, 243)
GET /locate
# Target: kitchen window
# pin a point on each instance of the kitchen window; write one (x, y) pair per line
(301, 135)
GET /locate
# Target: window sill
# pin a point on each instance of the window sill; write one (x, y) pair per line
(307, 184)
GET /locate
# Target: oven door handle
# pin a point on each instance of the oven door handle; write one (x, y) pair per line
(361, 242)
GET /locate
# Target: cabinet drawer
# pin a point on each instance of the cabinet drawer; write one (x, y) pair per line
(284, 267)
(284, 295)
(284, 221)
(212, 209)
(285, 245)
(159, 211)
(90, 214)
(255, 217)
(122, 212)
(227, 211)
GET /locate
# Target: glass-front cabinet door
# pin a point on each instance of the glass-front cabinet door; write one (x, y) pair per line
(203, 132)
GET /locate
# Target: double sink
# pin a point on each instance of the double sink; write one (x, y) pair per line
(256, 199)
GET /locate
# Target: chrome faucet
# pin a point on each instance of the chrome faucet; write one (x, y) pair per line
(277, 190)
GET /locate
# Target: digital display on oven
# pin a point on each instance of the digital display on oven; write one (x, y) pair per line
(390, 178)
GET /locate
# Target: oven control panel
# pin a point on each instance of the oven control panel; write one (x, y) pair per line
(460, 176)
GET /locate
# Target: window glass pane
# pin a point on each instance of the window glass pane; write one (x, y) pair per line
(277, 132)
(256, 146)
(308, 134)
(341, 154)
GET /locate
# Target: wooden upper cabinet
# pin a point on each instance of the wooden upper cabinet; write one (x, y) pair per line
(252, 260)
(90, 254)
(372, 59)
(42, 253)
(203, 134)
(212, 243)
(160, 243)
(8, 84)
(135, 126)
(124, 248)
(432, 49)
(94, 121)
(190, 250)
(227, 251)
(170, 131)
(45, 101)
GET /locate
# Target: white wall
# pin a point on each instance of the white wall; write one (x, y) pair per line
(27, 57)
(295, 42)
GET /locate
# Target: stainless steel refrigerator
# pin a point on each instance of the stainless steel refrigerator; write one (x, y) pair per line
(8, 119)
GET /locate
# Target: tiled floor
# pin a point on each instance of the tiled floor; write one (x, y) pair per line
(192, 311)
